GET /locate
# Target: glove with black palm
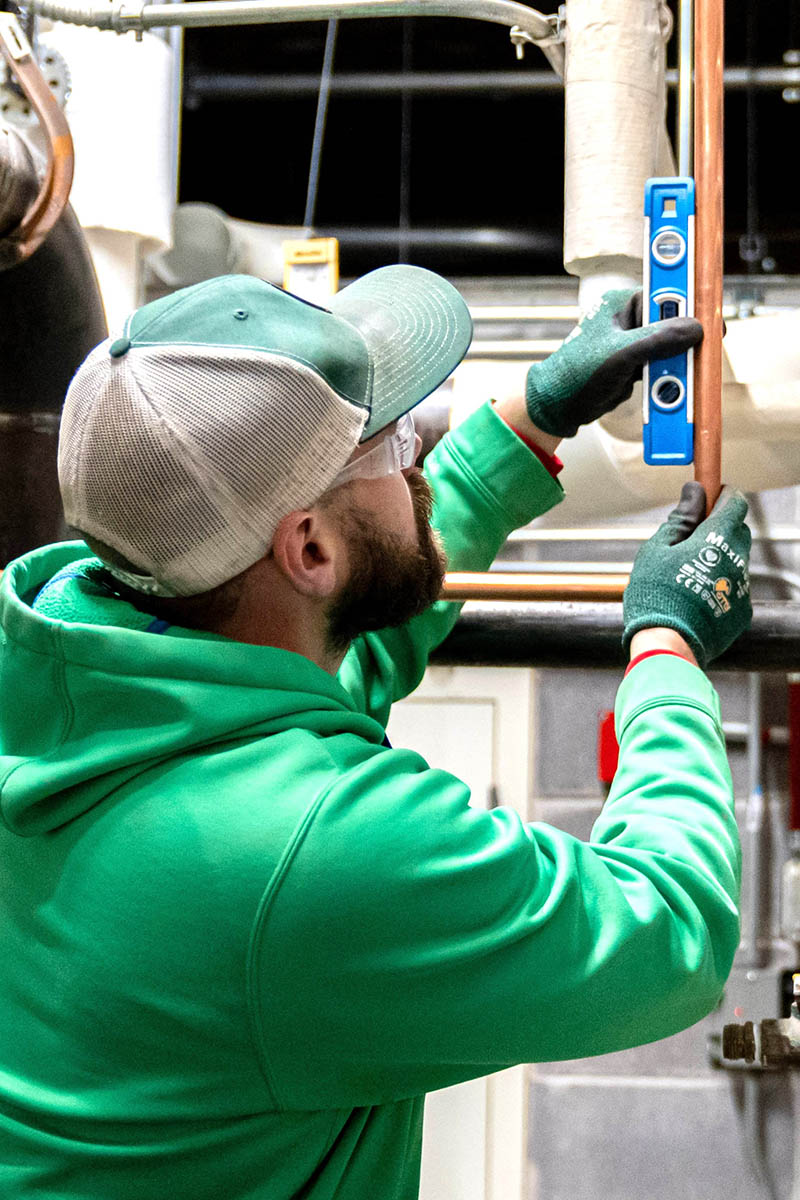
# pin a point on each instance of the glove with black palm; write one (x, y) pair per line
(692, 575)
(598, 364)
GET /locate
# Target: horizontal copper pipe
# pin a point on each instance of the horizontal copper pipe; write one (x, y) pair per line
(500, 585)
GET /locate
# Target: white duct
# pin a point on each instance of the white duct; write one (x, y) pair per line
(615, 136)
(207, 242)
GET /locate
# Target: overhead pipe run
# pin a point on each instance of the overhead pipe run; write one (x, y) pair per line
(526, 25)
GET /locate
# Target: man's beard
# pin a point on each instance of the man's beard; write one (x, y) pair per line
(390, 581)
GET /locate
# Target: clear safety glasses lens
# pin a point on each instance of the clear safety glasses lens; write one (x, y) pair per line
(394, 453)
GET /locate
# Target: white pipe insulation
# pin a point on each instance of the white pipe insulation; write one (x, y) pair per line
(615, 136)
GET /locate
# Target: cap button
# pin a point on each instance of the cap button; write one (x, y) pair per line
(119, 347)
(241, 314)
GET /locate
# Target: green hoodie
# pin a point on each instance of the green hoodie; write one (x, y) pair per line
(240, 937)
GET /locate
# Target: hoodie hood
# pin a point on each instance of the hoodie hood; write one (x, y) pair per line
(86, 703)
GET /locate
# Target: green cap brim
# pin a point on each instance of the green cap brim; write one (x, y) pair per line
(417, 329)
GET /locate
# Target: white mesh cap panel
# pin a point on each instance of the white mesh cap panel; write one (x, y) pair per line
(184, 459)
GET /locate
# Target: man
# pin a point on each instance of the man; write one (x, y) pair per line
(241, 936)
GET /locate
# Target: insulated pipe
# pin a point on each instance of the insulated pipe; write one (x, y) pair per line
(708, 171)
(614, 136)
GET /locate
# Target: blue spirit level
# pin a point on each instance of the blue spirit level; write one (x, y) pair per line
(668, 399)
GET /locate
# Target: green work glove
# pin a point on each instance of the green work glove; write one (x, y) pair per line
(692, 575)
(600, 361)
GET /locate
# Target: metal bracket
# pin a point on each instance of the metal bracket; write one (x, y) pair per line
(13, 37)
(129, 16)
(557, 22)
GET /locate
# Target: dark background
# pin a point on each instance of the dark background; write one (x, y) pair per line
(491, 161)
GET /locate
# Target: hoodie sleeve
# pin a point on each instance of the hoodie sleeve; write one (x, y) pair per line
(415, 942)
(486, 483)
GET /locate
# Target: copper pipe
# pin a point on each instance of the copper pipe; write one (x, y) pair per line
(708, 172)
(500, 585)
(53, 194)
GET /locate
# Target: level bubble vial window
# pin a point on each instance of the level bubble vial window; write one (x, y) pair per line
(669, 247)
(668, 392)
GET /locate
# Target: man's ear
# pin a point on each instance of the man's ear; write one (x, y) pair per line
(306, 549)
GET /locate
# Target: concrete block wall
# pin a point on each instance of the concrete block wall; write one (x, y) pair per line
(659, 1122)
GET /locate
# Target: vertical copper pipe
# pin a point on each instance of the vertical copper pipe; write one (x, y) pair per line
(708, 172)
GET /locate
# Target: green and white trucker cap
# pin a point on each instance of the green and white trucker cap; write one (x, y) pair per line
(229, 404)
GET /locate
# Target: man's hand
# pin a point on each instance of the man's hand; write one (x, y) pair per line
(692, 575)
(598, 364)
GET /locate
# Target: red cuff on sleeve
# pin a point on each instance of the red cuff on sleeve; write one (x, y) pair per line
(550, 462)
(649, 654)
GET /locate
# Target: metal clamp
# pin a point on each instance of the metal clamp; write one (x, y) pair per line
(557, 22)
(13, 38)
(129, 15)
(55, 188)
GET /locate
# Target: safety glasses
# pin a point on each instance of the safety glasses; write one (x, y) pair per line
(394, 453)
